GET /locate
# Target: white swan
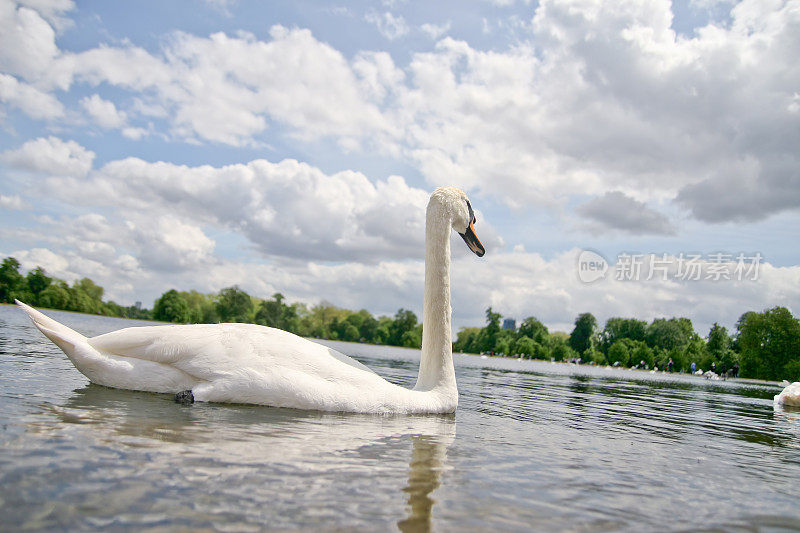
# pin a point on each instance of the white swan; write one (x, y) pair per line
(789, 395)
(245, 363)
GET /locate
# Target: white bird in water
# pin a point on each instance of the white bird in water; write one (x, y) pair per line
(789, 396)
(246, 363)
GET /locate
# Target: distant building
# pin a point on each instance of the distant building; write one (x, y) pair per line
(509, 323)
(138, 305)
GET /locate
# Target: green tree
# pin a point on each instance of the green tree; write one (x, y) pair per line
(641, 353)
(531, 327)
(560, 350)
(404, 321)
(620, 352)
(413, 337)
(276, 314)
(172, 307)
(467, 340)
(490, 331)
(525, 346)
(11, 281)
(669, 333)
(92, 290)
(234, 305)
(86, 297)
(621, 328)
(582, 335)
(37, 281)
(202, 307)
(56, 295)
(368, 329)
(770, 344)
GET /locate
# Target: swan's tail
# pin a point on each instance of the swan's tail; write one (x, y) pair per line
(65, 338)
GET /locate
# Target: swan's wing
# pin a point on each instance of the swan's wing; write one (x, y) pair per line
(210, 351)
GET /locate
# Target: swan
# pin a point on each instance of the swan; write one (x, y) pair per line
(789, 395)
(247, 363)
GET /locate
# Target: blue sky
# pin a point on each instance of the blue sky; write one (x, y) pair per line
(290, 146)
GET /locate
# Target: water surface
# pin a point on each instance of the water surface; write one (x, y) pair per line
(533, 445)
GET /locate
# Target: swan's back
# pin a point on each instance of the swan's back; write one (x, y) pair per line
(212, 350)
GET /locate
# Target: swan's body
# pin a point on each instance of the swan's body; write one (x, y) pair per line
(789, 395)
(245, 363)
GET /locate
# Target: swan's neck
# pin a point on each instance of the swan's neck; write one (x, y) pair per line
(436, 365)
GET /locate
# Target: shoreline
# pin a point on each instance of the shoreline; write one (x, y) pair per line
(753, 381)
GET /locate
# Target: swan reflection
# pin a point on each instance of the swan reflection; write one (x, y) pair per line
(255, 458)
(428, 455)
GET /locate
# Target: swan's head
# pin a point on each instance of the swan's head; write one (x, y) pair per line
(454, 204)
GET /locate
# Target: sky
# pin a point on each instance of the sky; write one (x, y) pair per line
(638, 158)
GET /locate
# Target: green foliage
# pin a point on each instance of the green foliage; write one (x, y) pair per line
(55, 296)
(401, 329)
(621, 328)
(525, 346)
(620, 352)
(767, 344)
(489, 336)
(560, 350)
(531, 327)
(667, 334)
(276, 314)
(467, 340)
(172, 307)
(202, 307)
(11, 281)
(234, 305)
(582, 336)
(770, 344)
(37, 281)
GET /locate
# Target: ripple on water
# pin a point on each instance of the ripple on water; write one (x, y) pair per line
(533, 446)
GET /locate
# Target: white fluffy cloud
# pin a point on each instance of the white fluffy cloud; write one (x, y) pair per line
(389, 25)
(286, 209)
(601, 97)
(33, 102)
(52, 156)
(13, 203)
(103, 112)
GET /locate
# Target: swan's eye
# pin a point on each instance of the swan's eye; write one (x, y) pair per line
(471, 219)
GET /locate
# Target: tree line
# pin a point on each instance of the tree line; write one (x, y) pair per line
(765, 345)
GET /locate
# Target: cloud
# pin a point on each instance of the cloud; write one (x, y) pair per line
(13, 203)
(618, 211)
(287, 210)
(103, 112)
(31, 101)
(27, 42)
(226, 89)
(434, 31)
(51, 156)
(596, 98)
(390, 26)
(612, 98)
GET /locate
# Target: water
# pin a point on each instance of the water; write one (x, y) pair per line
(533, 445)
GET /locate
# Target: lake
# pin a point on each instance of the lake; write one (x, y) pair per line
(533, 446)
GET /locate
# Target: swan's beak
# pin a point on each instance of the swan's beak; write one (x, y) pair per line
(472, 240)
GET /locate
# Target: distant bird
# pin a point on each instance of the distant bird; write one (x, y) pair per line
(789, 396)
(246, 363)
